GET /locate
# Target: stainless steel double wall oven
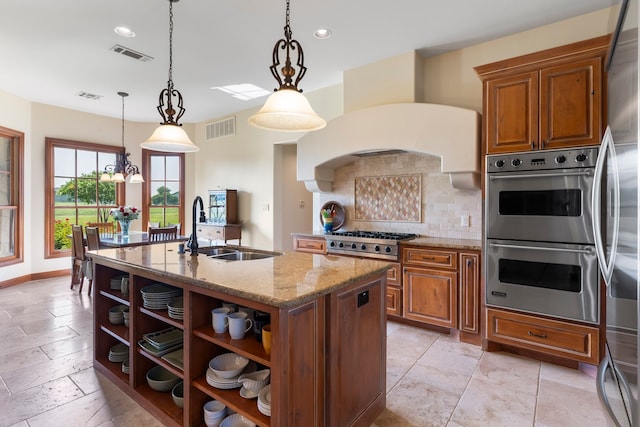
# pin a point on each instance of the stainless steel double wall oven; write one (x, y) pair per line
(539, 242)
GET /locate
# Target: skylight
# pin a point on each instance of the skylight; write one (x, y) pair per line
(244, 91)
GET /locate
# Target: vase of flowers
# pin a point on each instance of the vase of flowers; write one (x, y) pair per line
(124, 215)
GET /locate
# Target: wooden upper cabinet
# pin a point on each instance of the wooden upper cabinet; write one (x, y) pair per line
(512, 113)
(545, 100)
(570, 104)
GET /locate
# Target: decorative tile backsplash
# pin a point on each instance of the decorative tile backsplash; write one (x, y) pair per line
(388, 198)
(442, 206)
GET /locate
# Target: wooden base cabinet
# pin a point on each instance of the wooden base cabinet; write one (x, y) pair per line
(328, 357)
(431, 296)
(552, 337)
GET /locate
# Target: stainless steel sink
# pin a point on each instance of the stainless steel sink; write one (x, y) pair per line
(240, 255)
(224, 253)
(213, 251)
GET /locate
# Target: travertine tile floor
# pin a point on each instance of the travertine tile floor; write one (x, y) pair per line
(46, 378)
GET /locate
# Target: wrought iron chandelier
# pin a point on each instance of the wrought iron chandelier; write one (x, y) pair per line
(287, 109)
(170, 136)
(123, 166)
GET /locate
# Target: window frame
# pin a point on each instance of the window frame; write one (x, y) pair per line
(51, 144)
(17, 193)
(146, 186)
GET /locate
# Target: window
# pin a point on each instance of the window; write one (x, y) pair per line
(11, 196)
(163, 189)
(74, 192)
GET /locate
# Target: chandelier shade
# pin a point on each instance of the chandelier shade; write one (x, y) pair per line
(287, 109)
(169, 136)
(123, 167)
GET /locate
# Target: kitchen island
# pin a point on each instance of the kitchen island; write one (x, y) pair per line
(328, 356)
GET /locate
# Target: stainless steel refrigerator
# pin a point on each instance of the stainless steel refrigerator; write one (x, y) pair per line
(616, 226)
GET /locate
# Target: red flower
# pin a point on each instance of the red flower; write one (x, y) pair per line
(121, 208)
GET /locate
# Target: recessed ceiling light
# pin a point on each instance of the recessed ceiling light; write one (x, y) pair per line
(322, 33)
(124, 32)
(245, 91)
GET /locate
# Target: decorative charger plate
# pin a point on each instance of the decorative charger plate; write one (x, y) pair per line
(338, 219)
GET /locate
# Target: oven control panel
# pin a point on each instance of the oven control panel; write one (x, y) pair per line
(545, 159)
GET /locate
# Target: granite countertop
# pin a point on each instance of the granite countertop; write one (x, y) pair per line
(282, 281)
(434, 242)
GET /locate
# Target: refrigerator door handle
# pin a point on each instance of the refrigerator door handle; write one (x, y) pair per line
(606, 265)
(605, 365)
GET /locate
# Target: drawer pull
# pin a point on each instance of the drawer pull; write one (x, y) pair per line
(533, 334)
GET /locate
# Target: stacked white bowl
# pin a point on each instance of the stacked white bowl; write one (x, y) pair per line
(115, 314)
(125, 314)
(237, 420)
(214, 412)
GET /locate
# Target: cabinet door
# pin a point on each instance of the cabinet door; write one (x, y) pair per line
(570, 104)
(430, 296)
(511, 110)
(470, 292)
(394, 300)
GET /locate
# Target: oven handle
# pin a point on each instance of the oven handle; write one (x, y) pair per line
(606, 265)
(588, 251)
(541, 175)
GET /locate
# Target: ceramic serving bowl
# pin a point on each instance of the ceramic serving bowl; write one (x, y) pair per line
(228, 365)
(255, 381)
(177, 394)
(160, 379)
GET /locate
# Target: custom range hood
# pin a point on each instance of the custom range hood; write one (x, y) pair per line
(383, 115)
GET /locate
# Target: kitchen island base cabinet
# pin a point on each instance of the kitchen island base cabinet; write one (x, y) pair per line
(328, 357)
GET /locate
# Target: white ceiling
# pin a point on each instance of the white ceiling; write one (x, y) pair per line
(52, 50)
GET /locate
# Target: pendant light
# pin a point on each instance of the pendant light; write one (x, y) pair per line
(287, 109)
(123, 167)
(169, 136)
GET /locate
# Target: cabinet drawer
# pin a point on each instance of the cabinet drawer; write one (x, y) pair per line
(394, 301)
(394, 274)
(316, 246)
(553, 337)
(430, 257)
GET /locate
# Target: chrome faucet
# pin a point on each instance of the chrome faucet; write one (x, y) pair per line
(193, 240)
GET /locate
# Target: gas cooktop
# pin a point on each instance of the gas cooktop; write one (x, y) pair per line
(373, 235)
(371, 244)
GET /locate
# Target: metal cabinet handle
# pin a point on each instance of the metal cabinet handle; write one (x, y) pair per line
(533, 145)
(587, 251)
(469, 262)
(546, 175)
(533, 334)
(542, 144)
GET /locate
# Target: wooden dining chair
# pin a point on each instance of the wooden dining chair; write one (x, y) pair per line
(157, 234)
(81, 266)
(93, 238)
(177, 225)
(106, 229)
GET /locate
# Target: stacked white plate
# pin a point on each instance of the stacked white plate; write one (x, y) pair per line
(119, 353)
(116, 282)
(176, 308)
(125, 366)
(158, 295)
(116, 316)
(264, 400)
(217, 381)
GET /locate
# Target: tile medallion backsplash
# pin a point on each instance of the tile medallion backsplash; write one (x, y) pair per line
(388, 198)
(442, 206)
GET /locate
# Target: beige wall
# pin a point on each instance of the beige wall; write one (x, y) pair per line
(450, 78)
(246, 161)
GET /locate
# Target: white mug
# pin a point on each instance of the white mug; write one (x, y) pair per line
(239, 324)
(219, 319)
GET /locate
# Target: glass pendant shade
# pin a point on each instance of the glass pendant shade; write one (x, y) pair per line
(287, 110)
(136, 179)
(105, 177)
(117, 177)
(170, 138)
